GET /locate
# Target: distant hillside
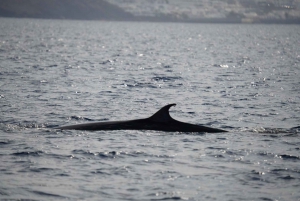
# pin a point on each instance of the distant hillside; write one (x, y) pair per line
(196, 11)
(220, 11)
(63, 9)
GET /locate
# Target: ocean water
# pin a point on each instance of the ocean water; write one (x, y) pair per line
(238, 77)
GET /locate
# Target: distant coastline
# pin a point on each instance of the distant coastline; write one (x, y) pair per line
(102, 10)
(63, 9)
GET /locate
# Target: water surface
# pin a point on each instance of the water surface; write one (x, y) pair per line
(241, 78)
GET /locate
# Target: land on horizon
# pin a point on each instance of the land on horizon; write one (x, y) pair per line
(193, 11)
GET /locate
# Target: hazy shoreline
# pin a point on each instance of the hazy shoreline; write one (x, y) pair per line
(105, 11)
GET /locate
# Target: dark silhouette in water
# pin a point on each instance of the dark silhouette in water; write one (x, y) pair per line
(160, 121)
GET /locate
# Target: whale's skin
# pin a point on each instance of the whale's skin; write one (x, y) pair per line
(160, 121)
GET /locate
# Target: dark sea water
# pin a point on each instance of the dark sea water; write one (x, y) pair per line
(241, 78)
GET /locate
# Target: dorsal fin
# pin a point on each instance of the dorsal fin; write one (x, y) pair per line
(162, 115)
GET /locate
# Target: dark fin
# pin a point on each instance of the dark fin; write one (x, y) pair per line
(163, 115)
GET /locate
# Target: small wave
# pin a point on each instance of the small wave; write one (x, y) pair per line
(23, 125)
(285, 170)
(108, 61)
(119, 154)
(80, 118)
(33, 125)
(288, 177)
(120, 170)
(111, 154)
(279, 170)
(143, 84)
(6, 142)
(53, 65)
(296, 129)
(140, 85)
(3, 193)
(83, 152)
(282, 156)
(165, 79)
(221, 65)
(28, 153)
(257, 172)
(40, 169)
(217, 148)
(47, 194)
(265, 199)
(219, 156)
(263, 130)
(171, 198)
(285, 173)
(187, 140)
(62, 175)
(100, 171)
(289, 157)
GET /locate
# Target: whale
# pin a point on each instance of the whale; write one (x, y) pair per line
(160, 121)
